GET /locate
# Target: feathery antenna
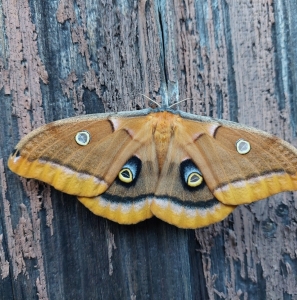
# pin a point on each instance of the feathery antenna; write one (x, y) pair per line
(179, 102)
(151, 99)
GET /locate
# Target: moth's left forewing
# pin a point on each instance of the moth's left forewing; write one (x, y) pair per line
(52, 154)
(266, 166)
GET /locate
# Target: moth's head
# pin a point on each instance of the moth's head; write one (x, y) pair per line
(157, 107)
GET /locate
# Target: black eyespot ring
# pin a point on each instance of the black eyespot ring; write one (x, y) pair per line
(190, 174)
(130, 171)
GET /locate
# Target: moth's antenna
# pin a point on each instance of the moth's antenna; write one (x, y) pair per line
(151, 100)
(179, 102)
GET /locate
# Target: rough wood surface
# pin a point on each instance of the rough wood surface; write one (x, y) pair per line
(237, 60)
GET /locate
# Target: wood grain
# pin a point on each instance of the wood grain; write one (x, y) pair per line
(235, 59)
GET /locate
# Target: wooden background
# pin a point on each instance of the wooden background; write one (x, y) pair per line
(237, 60)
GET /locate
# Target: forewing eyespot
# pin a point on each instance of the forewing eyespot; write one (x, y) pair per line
(243, 146)
(83, 138)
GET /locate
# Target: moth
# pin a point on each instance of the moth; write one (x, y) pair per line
(188, 170)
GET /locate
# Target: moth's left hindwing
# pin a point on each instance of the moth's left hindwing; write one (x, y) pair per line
(128, 200)
(188, 170)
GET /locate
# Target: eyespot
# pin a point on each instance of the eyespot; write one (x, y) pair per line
(130, 171)
(83, 138)
(194, 179)
(190, 174)
(243, 146)
(126, 175)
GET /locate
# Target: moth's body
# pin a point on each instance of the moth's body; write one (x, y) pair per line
(163, 126)
(162, 129)
(188, 170)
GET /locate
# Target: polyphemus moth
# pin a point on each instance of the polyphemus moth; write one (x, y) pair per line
(188, 170)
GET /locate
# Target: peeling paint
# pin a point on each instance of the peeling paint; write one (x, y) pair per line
(65, 11)
(25, 71)
(24, 66)
(91, 81)
(248, 245)
(4, 264)
(31, 188)
(41, 289)
(4, 78)
(203, 65)
(47, 204)
(69, 89)
(14, 250)
(78, 34)
(78, 37)
(24, 246)
(111, 246)
(122, 82)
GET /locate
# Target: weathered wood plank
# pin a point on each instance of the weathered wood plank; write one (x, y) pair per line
(236, 60)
